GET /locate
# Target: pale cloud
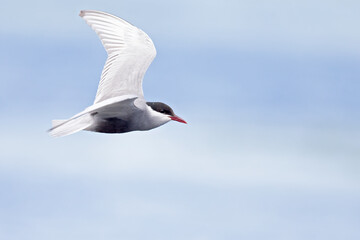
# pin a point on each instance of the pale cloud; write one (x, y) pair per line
(191, 182)
(233, 155)
(281, 25)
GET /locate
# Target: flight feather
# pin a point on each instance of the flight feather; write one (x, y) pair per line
(130, 53)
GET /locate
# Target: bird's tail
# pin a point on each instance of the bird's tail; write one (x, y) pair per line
(62, 128)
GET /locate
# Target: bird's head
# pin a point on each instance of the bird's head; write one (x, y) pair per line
(165, 110)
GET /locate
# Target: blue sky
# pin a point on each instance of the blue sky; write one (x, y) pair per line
(271, 151)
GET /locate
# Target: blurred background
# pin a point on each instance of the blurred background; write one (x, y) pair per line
(270, 91)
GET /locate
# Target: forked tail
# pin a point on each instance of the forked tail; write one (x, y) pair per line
(62, 128)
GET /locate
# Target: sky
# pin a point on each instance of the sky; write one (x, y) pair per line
(271, 149)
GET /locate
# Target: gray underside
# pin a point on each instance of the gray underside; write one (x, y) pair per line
(112, 125)
(116, 118)
(122, 117)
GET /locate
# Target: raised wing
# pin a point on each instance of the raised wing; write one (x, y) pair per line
(130, 53)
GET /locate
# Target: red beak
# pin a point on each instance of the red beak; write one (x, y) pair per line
(178, 119)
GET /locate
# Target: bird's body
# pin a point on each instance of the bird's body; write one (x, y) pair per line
(119, 105)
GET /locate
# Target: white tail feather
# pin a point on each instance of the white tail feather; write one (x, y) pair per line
(66, 127)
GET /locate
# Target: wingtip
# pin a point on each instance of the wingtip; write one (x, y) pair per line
(51, 133)
(82, 13)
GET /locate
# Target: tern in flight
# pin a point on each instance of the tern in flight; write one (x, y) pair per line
(119, 104)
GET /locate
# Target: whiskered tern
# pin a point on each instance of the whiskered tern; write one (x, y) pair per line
(119, 104)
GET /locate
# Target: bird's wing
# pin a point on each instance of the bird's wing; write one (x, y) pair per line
(130, 53)
(124, 109)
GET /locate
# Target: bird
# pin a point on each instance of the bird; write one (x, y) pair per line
(119, 105)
